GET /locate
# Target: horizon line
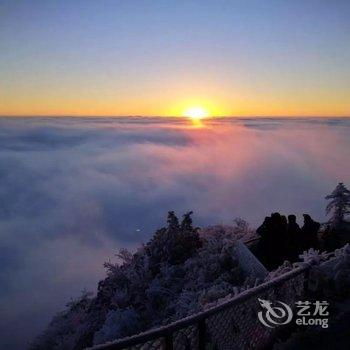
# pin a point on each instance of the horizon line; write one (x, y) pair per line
(167, 116)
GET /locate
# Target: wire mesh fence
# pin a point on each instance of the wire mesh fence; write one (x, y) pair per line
(228, 326)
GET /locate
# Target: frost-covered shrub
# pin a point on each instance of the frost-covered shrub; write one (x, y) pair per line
(180, 271)
(313, 256)
(281, 270)
(119, 322)
(65, 328)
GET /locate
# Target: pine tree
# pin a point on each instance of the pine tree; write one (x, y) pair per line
(186, 223)
(173, 221)
(339, 205)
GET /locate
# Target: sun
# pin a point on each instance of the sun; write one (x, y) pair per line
(196, 113)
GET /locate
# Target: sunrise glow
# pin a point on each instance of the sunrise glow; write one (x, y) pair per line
(196, 113)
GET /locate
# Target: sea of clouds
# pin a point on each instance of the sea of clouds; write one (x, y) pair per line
(75, 190)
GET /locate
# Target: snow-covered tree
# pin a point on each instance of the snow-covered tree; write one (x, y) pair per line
(180, 271)
(339, 205)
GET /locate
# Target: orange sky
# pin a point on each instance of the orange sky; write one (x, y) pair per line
(90, 103)
(159, 59)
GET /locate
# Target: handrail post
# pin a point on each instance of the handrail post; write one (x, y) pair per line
(201, 334)
(168, 342)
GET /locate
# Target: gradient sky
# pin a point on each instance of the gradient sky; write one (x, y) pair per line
(159, 57)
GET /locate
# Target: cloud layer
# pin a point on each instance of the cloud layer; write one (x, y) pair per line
(75, 190)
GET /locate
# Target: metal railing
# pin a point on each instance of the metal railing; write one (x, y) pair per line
(228, 326)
